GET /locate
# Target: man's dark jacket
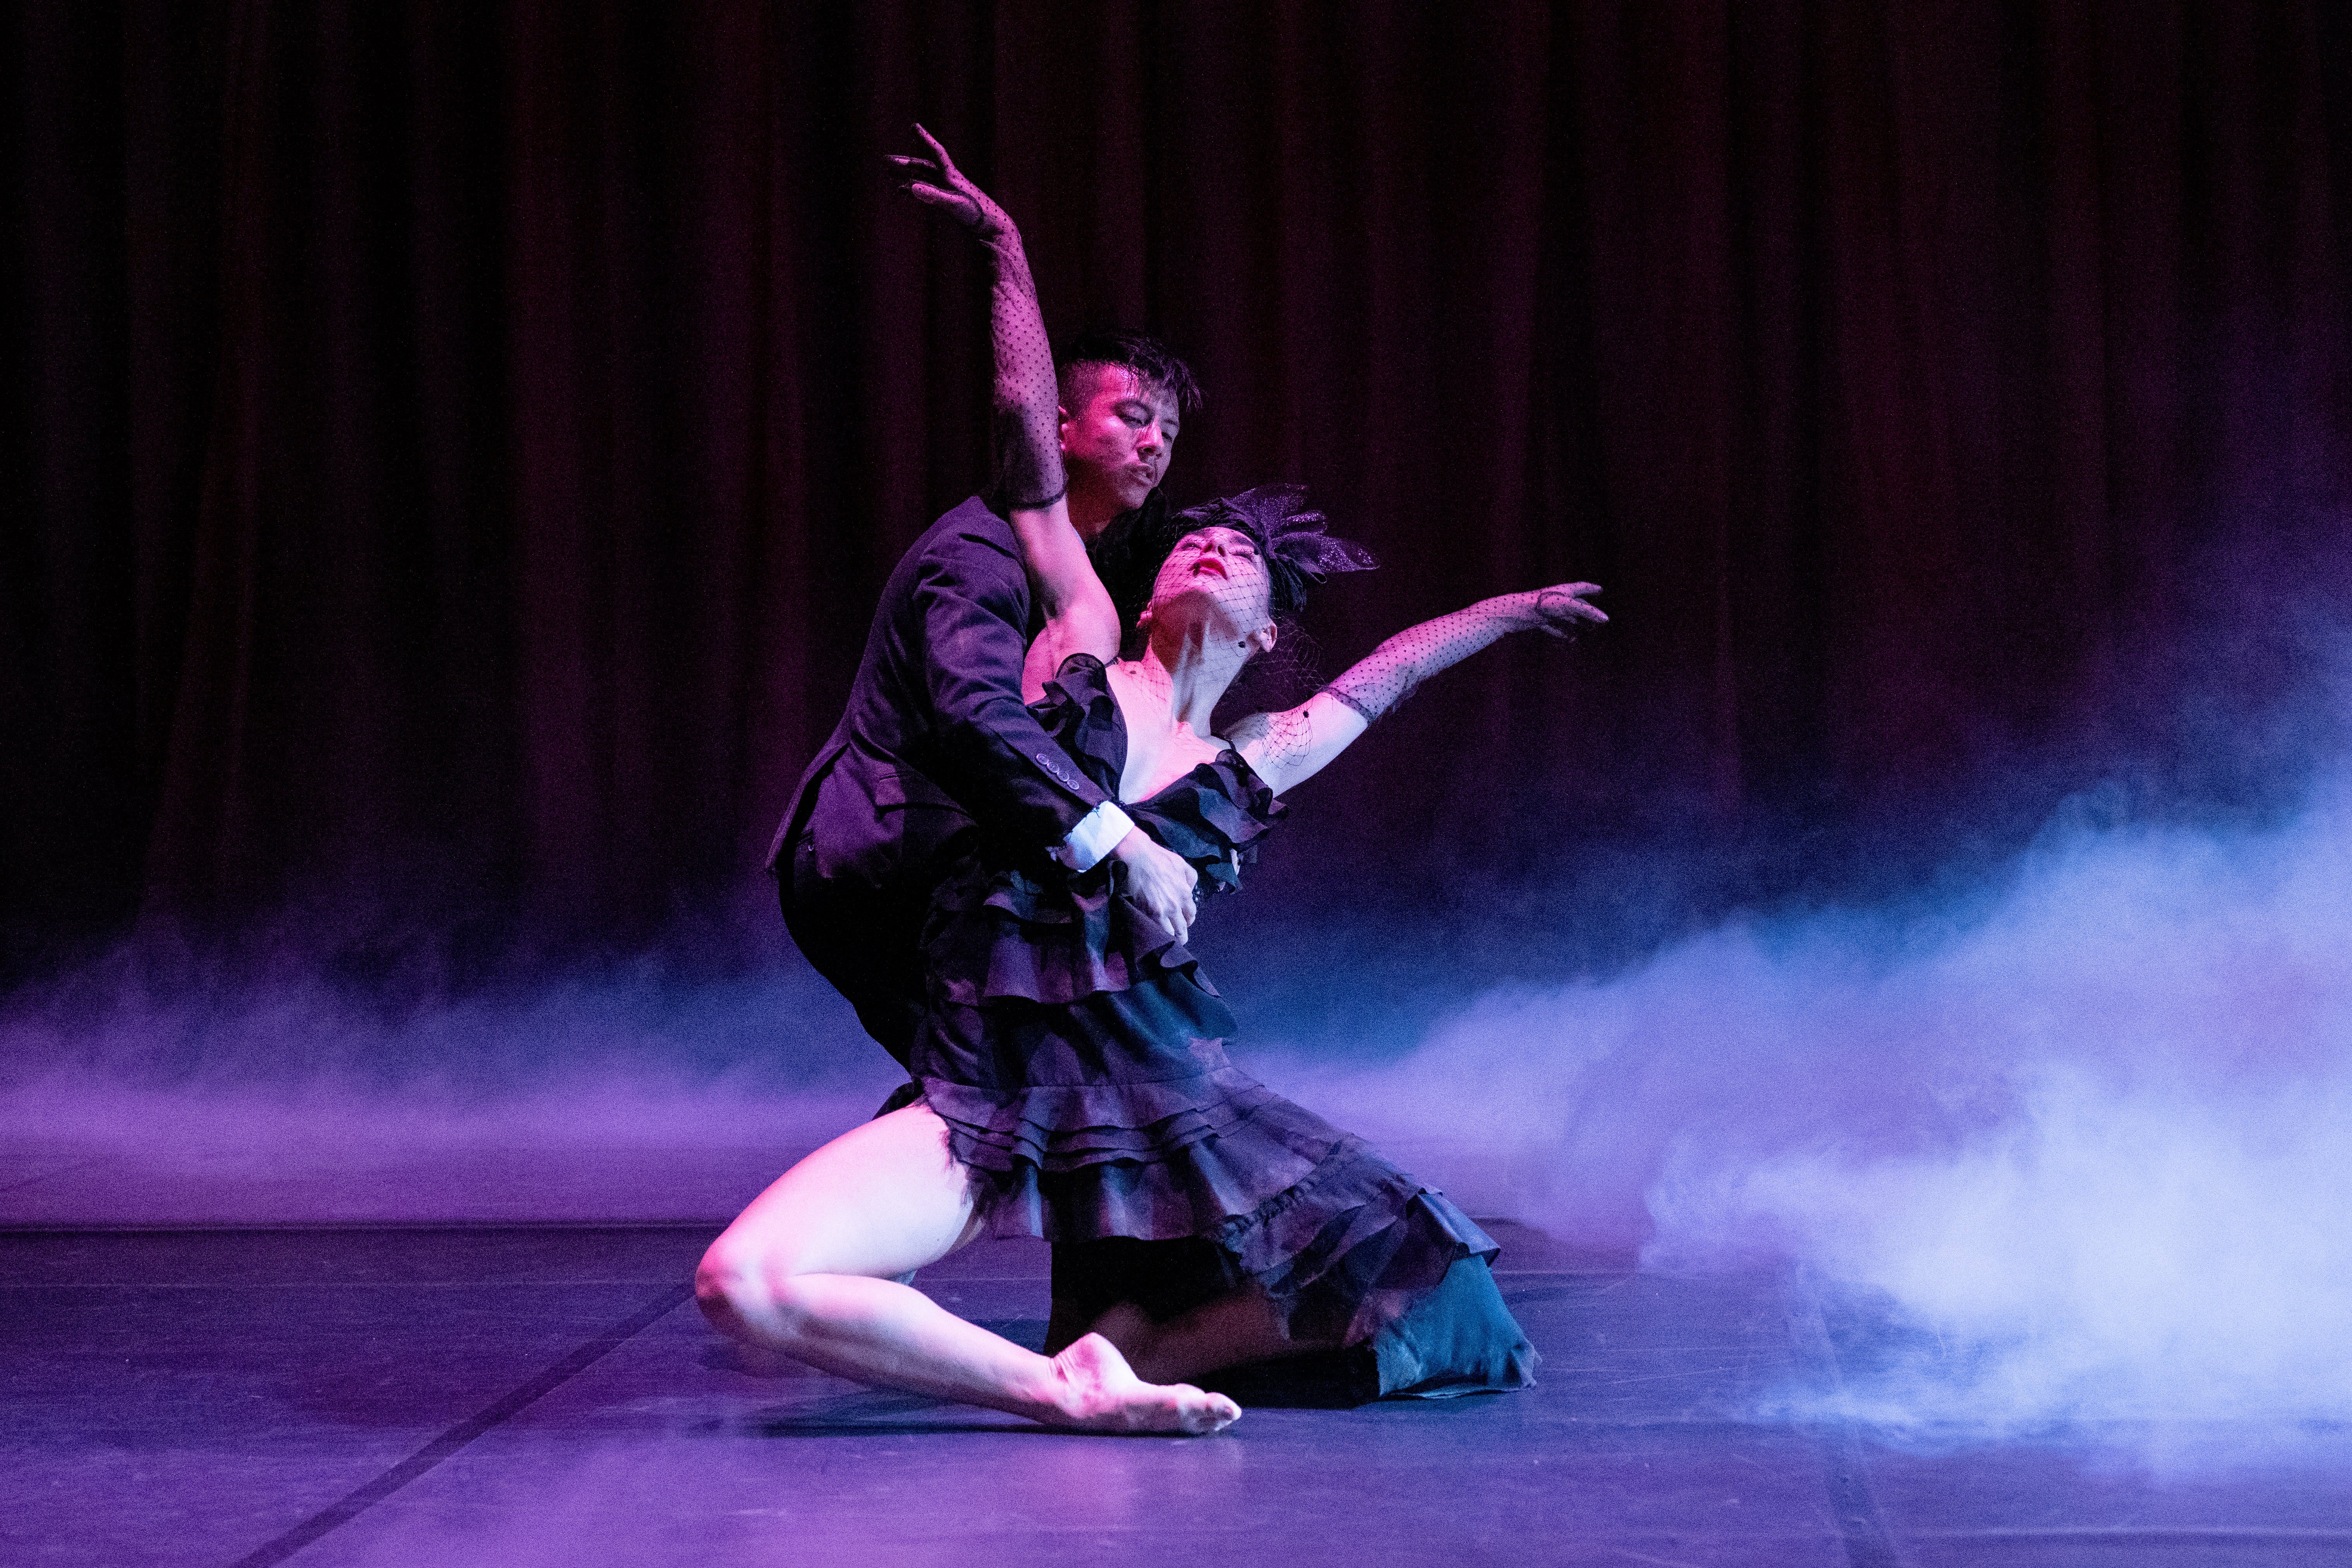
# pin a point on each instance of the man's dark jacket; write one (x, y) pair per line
(935, 719)
(934, 743)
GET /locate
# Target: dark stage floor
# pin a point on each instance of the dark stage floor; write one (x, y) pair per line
(483, 1394)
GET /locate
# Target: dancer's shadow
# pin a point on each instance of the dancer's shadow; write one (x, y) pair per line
(880, 1414)
(1331, 1380)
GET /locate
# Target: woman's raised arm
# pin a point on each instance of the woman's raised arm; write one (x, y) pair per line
(1079, 616)
(1284, 748)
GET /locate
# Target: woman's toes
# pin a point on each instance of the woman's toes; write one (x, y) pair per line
(1214, 1412)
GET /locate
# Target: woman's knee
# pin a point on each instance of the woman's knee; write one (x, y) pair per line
(742, 1280)
(744, 1286)
(722, 1285)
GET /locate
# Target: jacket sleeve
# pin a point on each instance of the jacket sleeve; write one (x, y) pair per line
(1008, 772)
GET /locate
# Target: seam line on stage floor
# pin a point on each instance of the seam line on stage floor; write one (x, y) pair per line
(465, 1432)
(1868, 1542)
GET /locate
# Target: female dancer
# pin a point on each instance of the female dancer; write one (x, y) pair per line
(1075, 1084)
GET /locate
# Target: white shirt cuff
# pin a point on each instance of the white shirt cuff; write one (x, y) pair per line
(1095, 836)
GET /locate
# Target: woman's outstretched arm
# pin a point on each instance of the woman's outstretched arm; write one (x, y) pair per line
(1079, 616)
(1284, 748)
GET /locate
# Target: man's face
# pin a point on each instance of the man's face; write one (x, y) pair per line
(1120, 438)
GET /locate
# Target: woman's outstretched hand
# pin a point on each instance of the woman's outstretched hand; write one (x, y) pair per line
(1560, 611)
(936, 182)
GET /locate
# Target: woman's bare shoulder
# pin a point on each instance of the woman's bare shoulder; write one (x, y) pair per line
(1248, 728)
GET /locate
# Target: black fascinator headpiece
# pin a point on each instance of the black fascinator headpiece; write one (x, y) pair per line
(1297, 552)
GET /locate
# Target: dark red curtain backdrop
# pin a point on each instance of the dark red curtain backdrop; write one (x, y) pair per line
(454, 446)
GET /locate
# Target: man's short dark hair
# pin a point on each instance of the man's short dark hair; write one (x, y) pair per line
(1153, 363)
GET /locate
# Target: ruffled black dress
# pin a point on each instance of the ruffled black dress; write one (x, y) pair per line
(1078, 1056)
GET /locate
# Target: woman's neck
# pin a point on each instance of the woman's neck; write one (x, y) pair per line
(1191, 667)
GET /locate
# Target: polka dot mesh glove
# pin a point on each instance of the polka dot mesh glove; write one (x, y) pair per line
(1027, 419)
(1385, 677)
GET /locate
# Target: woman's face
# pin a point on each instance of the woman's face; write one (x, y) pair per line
(1216, 569)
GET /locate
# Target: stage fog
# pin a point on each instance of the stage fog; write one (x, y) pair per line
(2068, 1117)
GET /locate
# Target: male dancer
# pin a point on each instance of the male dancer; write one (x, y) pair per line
(936, 742)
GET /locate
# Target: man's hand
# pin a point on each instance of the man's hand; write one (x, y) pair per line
(936, 182)
(1162, 881)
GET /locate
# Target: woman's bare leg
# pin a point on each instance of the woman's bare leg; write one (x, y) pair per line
(808, 1270)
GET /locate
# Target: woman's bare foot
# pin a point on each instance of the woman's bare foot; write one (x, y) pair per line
(1096, 1390)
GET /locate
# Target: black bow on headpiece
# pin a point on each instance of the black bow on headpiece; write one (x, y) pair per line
(1298, 554)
